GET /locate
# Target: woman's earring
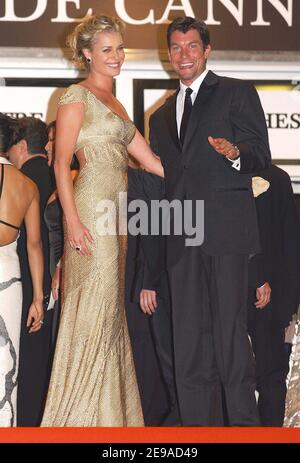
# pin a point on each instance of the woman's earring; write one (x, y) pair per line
(88, 60)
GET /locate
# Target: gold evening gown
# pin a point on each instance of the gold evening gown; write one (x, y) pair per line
(93, 380)
(292, 401)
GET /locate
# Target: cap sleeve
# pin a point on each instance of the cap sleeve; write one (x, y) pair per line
(73, 94)
(130, 132)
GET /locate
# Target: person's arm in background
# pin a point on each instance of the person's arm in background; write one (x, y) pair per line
(151, 248)
(55, 283)
(257, 280)
(35, 258)
(57, 244)
(258, 269)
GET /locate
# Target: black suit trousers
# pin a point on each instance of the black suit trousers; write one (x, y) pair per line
(211, 345)
(272, 364)
(161, 330)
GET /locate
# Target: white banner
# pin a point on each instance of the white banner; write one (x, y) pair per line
(38, 102)
(282, 110)
(281, 105)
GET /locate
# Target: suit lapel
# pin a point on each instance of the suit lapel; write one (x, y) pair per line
(198, 112)
(170, 115)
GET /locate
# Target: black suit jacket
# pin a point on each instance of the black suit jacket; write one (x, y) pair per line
(279, 262)
(227, 108)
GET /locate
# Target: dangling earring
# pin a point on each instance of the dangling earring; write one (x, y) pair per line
(88, 60)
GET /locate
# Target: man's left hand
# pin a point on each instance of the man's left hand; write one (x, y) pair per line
(263, 295)
(148, 301)
(224, 147)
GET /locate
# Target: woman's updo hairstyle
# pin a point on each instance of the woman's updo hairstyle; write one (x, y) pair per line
(84, 35)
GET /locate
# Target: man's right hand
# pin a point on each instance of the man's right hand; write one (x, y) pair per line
(148, 302)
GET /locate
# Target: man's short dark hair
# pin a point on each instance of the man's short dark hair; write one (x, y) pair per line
(6, 133)
(185, 24)
(34, 131)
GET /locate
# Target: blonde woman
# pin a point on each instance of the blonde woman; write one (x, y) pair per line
(93, 381)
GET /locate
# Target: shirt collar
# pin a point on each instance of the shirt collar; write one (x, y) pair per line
(195, 85)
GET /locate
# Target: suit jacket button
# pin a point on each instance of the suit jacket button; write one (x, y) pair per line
(185, 166)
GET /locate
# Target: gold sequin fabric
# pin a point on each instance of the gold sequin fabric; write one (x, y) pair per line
(93, 381)
(292, 402)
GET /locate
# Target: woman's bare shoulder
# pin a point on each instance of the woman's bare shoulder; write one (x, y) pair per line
(26, 185)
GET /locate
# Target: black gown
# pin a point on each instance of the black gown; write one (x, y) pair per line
(53, 217)
(35, 348)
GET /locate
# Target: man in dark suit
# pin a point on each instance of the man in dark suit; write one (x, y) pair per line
(210, 139)
(150, 382)
(150, 277)
(28, 154)
(279, 266)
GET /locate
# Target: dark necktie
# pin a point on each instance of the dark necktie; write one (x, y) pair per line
(186, 113)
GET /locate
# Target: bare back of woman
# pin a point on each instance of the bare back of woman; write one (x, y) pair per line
(16, 194)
